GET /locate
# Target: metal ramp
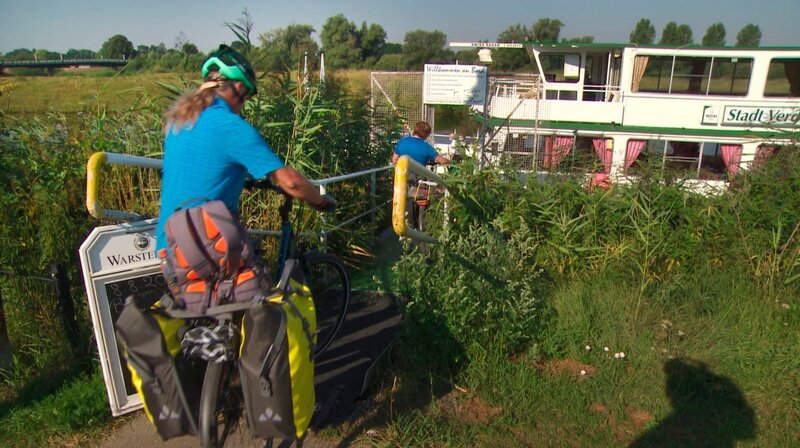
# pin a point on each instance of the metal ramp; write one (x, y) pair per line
(343, 372)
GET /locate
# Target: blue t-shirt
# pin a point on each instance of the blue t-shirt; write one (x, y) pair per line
(211, 159)
(418, 149)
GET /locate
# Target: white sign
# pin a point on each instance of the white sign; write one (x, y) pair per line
(486, 44)
(710, 115)
(761, 116)
(118, 261)
(454, 84)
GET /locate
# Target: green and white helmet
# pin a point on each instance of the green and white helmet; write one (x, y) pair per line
(231, 65)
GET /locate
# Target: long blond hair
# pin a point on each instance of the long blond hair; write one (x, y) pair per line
(184, 111)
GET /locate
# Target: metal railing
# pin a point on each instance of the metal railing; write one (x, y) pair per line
(99, 159)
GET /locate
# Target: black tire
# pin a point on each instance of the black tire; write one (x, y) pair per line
(220, 404)
(330, 287)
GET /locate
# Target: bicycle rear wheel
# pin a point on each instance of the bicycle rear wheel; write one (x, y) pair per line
(220, 404)
(330, 288)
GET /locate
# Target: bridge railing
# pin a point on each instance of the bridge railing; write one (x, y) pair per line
(63, 62)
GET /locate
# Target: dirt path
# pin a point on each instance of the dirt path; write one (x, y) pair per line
(138, 432)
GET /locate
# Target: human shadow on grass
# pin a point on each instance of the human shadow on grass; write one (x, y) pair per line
(708, 410)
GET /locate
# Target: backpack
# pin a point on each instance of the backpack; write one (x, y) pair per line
(210, 260)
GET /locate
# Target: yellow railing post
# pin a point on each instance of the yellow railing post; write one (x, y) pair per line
(96, 161)
(400, 197)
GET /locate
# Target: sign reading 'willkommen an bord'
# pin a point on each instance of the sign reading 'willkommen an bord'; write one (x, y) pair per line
(756, 116)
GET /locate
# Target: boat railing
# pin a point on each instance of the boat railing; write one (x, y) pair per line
(518, 86)
(530, 86)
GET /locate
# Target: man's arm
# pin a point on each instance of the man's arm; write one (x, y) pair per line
(394, 158)
(296, 185)
(441, 160)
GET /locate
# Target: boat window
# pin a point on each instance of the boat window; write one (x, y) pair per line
(730, 76)
(682, 160)
(560, 67)
(783, 79)
(691, 75)
(652, 74)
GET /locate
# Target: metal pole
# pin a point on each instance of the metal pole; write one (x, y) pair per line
(482, 160)
(373, 191)
(64, 305)
(323, 239)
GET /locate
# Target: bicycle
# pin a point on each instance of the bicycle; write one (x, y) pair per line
(221, 396)
(421, 197)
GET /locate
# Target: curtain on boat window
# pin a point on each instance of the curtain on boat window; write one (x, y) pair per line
(639, 66)
(731, 155)
(555, 148)
(632, 151)
(602, 151)
(792, 68)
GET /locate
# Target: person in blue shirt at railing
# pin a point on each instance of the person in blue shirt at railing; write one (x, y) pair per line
(417, 148)
(209, 150)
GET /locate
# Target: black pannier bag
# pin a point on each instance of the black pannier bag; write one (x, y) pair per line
(276, 363)
(168, 384)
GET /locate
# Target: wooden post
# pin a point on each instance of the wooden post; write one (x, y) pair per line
(64, 305)
(6, 351)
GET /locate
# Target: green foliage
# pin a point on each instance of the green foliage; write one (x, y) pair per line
(676, 35)
(284, 48)
(346, 45)
(644, 33)
(546, 30)
(699, 292)
(715, 36)
(749, 36)
(422, 47)
(340, 42)
(512, 59)
(578, 40)
(242, 29)
(117, 47)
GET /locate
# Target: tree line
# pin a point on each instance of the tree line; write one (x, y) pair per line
(348, 45)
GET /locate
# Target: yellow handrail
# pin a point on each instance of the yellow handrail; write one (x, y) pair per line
(96, 162)
(400, 196)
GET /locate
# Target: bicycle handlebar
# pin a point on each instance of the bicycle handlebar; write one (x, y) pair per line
(328, 203)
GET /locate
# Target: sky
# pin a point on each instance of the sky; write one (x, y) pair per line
(58, 25)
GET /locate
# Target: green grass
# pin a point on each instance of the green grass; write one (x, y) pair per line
(72, 416)
(711, 370)
(37, 95)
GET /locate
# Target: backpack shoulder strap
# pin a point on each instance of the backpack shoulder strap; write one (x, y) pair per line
(230, 230)
(185, 236)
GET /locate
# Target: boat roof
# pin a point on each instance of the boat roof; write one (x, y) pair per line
(630, 45)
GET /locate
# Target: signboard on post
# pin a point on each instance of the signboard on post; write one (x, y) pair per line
(454, 84)
(117, 261)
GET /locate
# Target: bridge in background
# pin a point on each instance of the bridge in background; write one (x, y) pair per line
(53, 64)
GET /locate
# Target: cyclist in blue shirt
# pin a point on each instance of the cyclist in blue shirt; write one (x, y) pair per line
(415, 147)
(209, 150)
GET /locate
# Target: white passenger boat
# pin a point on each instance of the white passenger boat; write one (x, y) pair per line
(697, 113)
